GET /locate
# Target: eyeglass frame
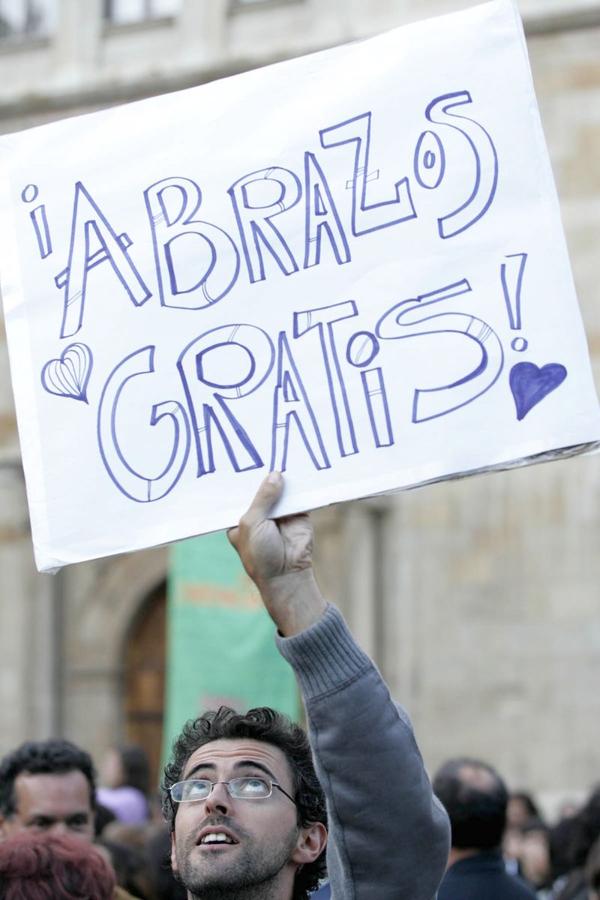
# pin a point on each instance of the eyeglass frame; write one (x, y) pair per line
(213, 784)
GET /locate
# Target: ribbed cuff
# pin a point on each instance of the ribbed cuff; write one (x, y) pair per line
(325, 656)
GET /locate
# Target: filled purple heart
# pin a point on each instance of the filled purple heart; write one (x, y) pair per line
(530, 384)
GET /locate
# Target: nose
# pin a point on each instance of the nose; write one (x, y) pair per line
(218, 800)
(59, 829)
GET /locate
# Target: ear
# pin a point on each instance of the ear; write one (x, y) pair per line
(312, 840)
(173, 854)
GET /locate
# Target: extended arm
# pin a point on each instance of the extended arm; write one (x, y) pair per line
(388, 835)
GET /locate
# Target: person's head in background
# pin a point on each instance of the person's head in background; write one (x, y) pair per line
(526, 839)
(521, 809)
(126, 766)
(47, 786)
(585, 830)
(126, 784)
(475, 798)
(534, 854)
(37, 865)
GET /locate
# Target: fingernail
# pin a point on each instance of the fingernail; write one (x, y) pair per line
(274, 477)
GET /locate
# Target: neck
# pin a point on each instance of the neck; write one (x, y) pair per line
(456, 854)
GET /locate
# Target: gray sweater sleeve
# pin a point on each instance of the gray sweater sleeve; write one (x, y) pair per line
(389, 836)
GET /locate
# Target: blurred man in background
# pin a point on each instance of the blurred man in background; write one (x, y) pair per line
(47, 786)
(476, 798)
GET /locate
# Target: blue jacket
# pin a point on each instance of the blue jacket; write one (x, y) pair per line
(483, 876)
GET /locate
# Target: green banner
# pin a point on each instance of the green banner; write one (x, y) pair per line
(220, 640)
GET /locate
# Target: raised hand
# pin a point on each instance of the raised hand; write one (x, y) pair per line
(277, 555)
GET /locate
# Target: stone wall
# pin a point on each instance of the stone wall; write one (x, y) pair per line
(479, 598)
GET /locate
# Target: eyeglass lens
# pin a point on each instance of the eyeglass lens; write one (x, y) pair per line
(247, 788)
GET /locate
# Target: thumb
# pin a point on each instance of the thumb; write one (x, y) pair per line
(265, 499)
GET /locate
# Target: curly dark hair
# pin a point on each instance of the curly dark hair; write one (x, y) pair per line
(52, 757)
(270, 727)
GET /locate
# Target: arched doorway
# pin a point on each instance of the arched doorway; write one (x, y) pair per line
(144, 679)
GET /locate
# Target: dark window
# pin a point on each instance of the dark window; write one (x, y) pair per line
(122, 12)
(241, 4)
(21, 19)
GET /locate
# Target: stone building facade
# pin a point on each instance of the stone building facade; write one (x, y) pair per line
(479, 599)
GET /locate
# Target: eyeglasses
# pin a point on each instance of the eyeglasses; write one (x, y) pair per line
(245, 788)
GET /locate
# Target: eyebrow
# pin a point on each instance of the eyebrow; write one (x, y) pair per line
(240, 764)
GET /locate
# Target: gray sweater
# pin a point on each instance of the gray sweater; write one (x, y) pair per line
(388, 835)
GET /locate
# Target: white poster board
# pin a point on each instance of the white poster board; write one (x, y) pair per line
(349, 267)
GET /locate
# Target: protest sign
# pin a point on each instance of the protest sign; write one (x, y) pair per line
(348, 266)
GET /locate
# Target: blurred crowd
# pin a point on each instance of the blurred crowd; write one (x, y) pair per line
(59, 831)
(129, 850)
(560, 859)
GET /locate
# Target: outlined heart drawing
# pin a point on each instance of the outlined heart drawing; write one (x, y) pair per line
(69, 375)
(530, 384)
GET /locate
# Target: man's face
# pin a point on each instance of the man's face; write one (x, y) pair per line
(58, 804)
(264, 845)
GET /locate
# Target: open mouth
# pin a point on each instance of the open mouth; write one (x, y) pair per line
(216, 839)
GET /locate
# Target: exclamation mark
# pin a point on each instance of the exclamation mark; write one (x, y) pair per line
(38, 219)
(511, 273)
